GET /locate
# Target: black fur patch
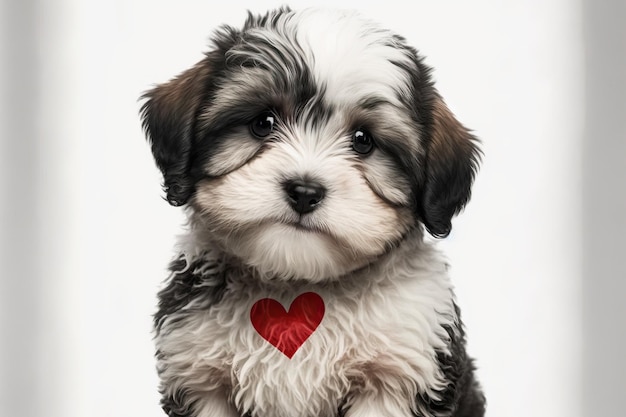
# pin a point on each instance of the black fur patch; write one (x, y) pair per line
(463, 396)
(201, 282)
(169, 118)
(444, 179)
(176, 406)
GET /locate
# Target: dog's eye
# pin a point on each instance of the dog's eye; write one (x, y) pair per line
(362, 142)
(262, 125)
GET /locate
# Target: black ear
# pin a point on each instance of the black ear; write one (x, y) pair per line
(451, 163)
(168, 118)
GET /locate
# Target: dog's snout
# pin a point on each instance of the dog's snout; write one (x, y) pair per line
(304, 196)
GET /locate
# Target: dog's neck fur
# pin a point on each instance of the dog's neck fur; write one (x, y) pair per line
(198, 243)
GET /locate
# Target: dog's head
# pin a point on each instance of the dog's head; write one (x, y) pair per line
(309, 143)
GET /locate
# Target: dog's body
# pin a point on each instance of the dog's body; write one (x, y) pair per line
(312, 149)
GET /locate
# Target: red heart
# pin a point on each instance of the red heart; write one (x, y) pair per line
(287, 331)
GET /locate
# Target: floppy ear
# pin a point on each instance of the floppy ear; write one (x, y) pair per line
(168, 118)
(451, 163)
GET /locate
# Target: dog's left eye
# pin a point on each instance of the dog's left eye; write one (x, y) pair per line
(362, 142)
(262, 125)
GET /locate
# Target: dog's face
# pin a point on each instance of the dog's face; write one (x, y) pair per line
(310, 143)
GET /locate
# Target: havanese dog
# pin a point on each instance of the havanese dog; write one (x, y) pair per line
(312, 154)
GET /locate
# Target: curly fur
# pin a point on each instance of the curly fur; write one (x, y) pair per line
(391, 341)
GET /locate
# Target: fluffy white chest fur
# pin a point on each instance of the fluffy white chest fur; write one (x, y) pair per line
(379, 334)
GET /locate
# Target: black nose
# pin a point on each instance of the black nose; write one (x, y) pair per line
(304, 196)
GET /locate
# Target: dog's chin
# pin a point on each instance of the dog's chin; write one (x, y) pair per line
(297, 251)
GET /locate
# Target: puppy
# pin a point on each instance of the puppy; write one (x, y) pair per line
(312, 153)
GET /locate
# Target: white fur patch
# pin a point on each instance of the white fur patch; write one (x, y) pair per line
(351, 56)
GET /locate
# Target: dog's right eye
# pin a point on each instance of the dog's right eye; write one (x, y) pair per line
(262, 125)
(362, 142)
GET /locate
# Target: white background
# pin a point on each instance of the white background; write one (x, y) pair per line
(87, 236)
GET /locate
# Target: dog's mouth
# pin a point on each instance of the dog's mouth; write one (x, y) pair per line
(305, 225)
(299, 222)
